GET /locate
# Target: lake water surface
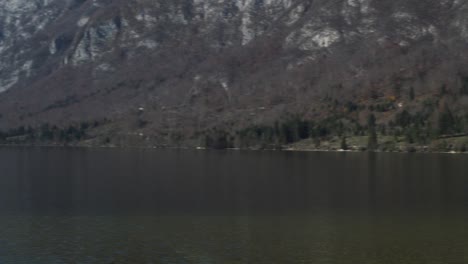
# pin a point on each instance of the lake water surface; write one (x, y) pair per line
(167, 206)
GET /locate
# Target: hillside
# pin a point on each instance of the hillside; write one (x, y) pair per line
(232, 73)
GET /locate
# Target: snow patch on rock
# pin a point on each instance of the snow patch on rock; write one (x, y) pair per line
(311, 38)
(83, 21)
(148, 43)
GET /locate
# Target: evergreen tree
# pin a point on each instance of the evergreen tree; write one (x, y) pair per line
(372, 142)
(303, 130)
(46, 132)
(403, 119)
(411, 93)
(447, 121)
(344, 144)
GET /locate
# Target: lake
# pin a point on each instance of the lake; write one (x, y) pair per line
(65, 205)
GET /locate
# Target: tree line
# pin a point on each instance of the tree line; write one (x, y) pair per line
(47, 133)
(414, 128)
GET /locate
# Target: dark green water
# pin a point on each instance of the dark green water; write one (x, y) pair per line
(163, 206)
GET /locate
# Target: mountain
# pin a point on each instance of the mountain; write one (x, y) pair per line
(170, 71)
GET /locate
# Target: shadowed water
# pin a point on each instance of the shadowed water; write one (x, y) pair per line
(166, 206)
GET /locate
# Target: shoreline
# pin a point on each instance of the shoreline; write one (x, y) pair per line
(286, 149)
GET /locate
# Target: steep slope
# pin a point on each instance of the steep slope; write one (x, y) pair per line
(181, 67)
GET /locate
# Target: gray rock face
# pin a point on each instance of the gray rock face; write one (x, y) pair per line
(199, 61)
(20, 21)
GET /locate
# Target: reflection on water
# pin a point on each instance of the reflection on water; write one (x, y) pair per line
(235, 239)
(146, 206)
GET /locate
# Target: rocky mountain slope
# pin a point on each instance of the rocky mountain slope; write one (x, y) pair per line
(181, 67)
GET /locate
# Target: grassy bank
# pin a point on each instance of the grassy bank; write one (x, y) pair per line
(385, 144)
